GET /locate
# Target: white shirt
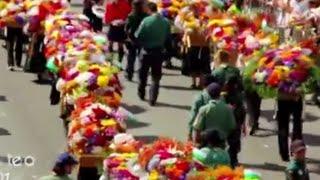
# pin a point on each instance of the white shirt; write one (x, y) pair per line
(282, 15)
(299, 8)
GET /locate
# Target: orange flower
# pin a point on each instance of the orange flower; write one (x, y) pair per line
(274, 79)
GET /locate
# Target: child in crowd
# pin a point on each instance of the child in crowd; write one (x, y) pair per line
(297, 169)
(201, 99)
(62, 168)
(216, 114)
(212, 153)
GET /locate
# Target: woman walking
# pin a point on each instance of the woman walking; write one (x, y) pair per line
(134, 20)
(117, 12)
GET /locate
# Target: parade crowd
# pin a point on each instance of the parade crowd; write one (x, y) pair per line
(156, 32)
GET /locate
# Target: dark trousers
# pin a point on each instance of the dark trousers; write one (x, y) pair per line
(150, 59)
(172, 48)
(253, 101)
(286, 108)
(14, 40)
(133, 51)
(234, 139)
(234, 142)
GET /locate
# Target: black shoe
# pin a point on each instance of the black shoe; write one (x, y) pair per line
(285, 158)
(152, 102)
(168, 65)
(128, 77)
(310, 102)
(253, 130)
(141, 96)
(193, 86)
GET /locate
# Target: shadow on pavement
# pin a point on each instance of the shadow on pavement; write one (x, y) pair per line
(134, 109)
(170, 87)
(268, 114)
(170, 74)
(136, 124)
(178, 88)
(176, 106)
(309, 117)
(42, 82)
(263, 132)
(173, 68)
(314, 165)
(311, 139)
(3, 98)
(4, 132)
(146, 139)
(265, 166)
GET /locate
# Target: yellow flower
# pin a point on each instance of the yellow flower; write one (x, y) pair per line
(105, 70)
(154, 175)
(82, 66)
(108, 122)
(103, 81)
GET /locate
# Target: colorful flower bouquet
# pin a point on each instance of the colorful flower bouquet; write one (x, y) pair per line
(245, 33)
(116, 166)
(18, 13)
(120, 165)
(170, 8)
(219, 173)
(93, 127)
(166, 158)
(85, 79)
(12, 13)
(69, 39)
(286, 70)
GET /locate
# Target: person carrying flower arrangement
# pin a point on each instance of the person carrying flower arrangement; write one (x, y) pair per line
(288, 104)
(215, 115)
(195, 45)
(229, 78)
(197, 59)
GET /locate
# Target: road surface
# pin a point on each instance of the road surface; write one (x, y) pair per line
(30, 127)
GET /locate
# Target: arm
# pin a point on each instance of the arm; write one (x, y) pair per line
(198, 125)
(139, 34)
(232, 119)
(194, 112)
(128, 25)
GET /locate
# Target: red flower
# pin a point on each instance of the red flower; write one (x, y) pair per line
(99, 113)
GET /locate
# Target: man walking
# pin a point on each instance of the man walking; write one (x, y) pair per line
(152, 34)
(14, 47)
(215, 115)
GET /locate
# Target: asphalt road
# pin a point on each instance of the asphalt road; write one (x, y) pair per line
(30, 127)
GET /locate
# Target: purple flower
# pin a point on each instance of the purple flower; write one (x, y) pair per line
(20, 20)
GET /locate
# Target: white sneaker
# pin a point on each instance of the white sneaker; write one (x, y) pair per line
(10, 68)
